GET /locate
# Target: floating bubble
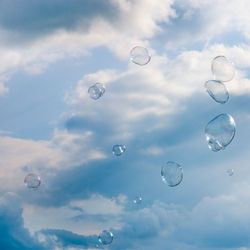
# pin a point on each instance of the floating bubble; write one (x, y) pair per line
(230, 172)
(172, 173)
(217, 90)
(118, 149)
(32, 181)
(96, 91)
(106, 237)
(222, 69)
(220, 132)
(137, 200)
(140, 55)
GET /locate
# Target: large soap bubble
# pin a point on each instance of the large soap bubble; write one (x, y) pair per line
(96, 91)
(106, 237)
(140, 55)
(172, 173)
(217, 90)
(222, 69)
(220, 132)
(118, 149)
(32, 181)
(137, 200)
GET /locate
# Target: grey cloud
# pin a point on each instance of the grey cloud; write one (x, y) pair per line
(26, 20)
(13, 233)
(65, 239)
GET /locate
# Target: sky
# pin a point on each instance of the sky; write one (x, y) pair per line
(51, 52)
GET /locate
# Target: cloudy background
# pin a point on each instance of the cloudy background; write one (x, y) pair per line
(50, 53)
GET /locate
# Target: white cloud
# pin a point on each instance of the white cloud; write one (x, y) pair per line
(156, 92)
(136, 22)
(19, 156)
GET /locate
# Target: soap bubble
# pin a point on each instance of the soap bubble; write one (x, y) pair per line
(118, 149)
(106, 237)
(32, 181)
(217, 90)
(140, 55)
(172, 173)
(96, 91)
(222, 69)
(137, 200)
(220, 132)
(230, 172)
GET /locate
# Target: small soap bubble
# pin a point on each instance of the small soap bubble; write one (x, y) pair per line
(140, 55)
(32, 181)
(96, 91)
(137, 200)
(217, 90)
(220, 131)
(118, 149)
(230, 172)
(172, 173)
(106, 237)
(222, 69)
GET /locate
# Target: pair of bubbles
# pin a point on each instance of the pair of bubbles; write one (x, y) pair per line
(172, 173)
(223, 71)
(220, 131)
(138, 55)
(106, 237)
(33, 181)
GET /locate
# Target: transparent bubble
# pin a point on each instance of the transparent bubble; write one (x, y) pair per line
(106, 237)
(118, 149)
(230, 172)
(137, 200)
(172, 173)
(32, 181)
(140, 55)
(220, 132)
(222, 69)
(217, 90)
(96, 91)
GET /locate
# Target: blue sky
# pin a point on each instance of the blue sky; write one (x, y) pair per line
(50, 53)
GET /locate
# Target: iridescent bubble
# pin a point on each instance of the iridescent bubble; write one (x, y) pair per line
(230, 172)
(96, 91)
(32, 181)
(106, 237)
(118, 149)
(137, 200)
(220, 132)
(222, 69)
(217, 90)
(140, 55)
(172, 173)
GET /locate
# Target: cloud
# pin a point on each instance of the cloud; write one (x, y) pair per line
(65, 239)
(197, 20)
(81, 216)
(73, 30)
(14, 235)
(21, 156)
